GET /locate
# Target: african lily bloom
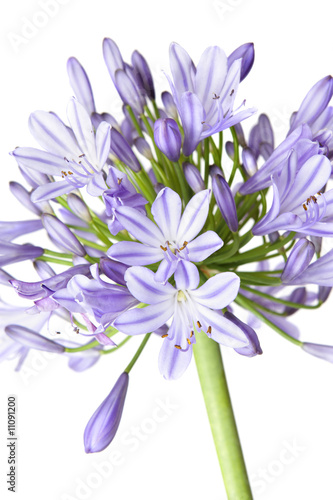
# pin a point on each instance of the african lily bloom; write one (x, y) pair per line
(205, 95)
(191, 308)
(297, 206)
(76, 155)
(172, 240)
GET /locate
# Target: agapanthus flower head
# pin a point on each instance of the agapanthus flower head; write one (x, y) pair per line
(104, 423)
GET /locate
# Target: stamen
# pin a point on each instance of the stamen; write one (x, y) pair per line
(184, 245)
(119, 181)
(199, 324)
(192, 333)
(215, 96)
(305, 207)
(82, 156)
(231, 93)
(165, 335)
(188, 341)
(209, 330)
(163, 248)
(177, 347)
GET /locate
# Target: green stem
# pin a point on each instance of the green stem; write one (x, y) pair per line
(221, 418)
(46, 258)
(137, 354)
(288, 303)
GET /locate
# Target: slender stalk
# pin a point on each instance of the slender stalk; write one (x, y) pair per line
(138, 352)
(214, 387)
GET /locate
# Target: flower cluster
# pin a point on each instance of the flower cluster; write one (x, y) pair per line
(151, 233)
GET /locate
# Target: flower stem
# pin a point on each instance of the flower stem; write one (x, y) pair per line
(221, 418)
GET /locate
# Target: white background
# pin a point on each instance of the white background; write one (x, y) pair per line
(282, 399)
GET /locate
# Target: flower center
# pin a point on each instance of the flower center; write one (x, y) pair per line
(181, 297)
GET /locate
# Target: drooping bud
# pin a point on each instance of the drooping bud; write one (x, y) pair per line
(23, 196)
(11, 252)
(249, 162)
(80, 84)
(32, 339)
(143, 147)
(246, 53)
(168, 138)
(298, 260)
(103, 425)
(62, 236)
(140, 65)
(122, 150)
(169, 105)
(9, 230)
(320, 351)
(253, 348)
(225, 201)
(77, 205)
(193, 177)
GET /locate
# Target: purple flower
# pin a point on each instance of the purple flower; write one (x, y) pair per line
(123, 151)
(104, 301)
(296, 206)
(193, 177)
(225, 201)
(31, 339)
(172, 240)
(205, 95)
(300, 140)
(253, 348)
(320, 351)
(121, 193)
(298, 260)
(11, 252)
(81, 85)
(141, 67)
(62, 236)
(9, 230)
(168, 138)
(76, 155)
(319, 272)
(191, 308)
(246, 53)
(103, 425)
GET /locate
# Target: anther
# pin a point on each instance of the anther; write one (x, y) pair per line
(82, 156)
(305, 207)
(163, 248)
(188, 341)
(216, 96)
(184, 245)
(69, 172)
(177, 347)
(119, 181)
(165, 335)
(233, 90)
(209, 330)
(199, 324)
(192, 333)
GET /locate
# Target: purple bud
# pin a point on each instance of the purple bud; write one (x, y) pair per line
(323, 293)
(249, 162)
(143, 147)
(246, 53)
(114, 270)
(193, 177)
(103, 425)
(62, 236)
(80, 84)
(225, 201)
(112, 57)
(23, 196)
(32, 339)
(320, 351)
(5, 277)
(230, 149)
(169, 105)
(168, 138)
(122, 150)
(129, 91)
(141, 67)
(80, 209)
(298, 260)
(240, 134)
(253, 348)
(11, 252)
(314, 103)
(43, 269)
(33, 177)
(9, 230)
(299, 296)
(215, 170)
